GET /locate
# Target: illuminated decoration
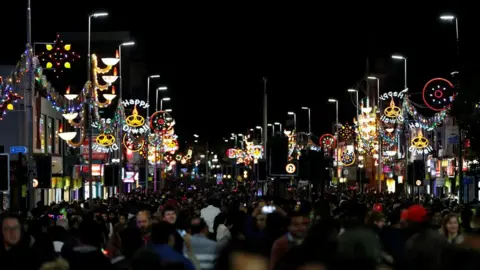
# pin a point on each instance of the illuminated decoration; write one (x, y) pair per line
(294, 149)
(232, 153)
(7, 100)
(135, 123)
(438, 94)
(133, 142)
(290, 168)
(70, 96)
(367, 130)
(105, 143)
(105, 125)
(392, 114)
(347, 157)
(346, 132)
(327, 141)
(58, 56)
(160, 120)
(420, 144)
(391, 95)
(428, 123)
(256, 151)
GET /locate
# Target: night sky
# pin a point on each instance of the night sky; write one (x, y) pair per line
(213, 58)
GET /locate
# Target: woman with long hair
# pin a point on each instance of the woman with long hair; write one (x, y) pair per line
(451, 229)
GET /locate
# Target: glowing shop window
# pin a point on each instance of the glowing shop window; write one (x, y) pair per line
(41, 132)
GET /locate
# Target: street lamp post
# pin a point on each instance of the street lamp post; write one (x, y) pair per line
(356, 100)
(261, 132)
(89, 101)
(148, 121)
(162, 100)
(294, 120)
(378, 89)
(399, 57)
(309, 120)
(161, 88)
(120, 131)
(405, 123)
(279, 124)
(460, 139)
(273, 129)
(331, 100)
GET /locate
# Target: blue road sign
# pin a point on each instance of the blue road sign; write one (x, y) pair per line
(453, 140)
(18, 149)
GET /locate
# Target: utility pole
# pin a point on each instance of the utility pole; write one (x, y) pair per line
(265, 124)
(29, 109)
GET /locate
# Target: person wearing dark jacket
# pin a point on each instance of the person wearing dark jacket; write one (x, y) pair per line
(131, 240)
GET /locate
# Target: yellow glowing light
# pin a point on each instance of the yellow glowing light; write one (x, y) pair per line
(10, 107)
(67, 65)
(49, 65)
(67, 47)
(49, 47)
(290, 168)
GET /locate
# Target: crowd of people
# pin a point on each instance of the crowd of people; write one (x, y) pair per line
(207, 228)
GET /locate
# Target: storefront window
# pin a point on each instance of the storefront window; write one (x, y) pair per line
(50, 135)
(57, 138)
(41, 133)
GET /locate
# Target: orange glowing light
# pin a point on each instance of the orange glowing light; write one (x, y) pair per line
(114, 71)
(117, 55)
(113, 89)
(68, 90)
(60, 130)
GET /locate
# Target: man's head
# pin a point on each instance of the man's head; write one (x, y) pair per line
(163, 233)
(377, 219)
(198, 226)
(144, 221)
(169, 214)
(298, 225)
(11, 230)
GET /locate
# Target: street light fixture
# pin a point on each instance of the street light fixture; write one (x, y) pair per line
(161, 102)
(399, 57)
(195, 135)
(356, 100)
(309, 120)
(294, 119)
(168, 110)
(279, 124)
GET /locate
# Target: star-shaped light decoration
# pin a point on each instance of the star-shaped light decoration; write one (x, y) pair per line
(58, 56)
(7, 101)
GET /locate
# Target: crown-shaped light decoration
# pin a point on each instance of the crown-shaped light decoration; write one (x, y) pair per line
(392, 111)
(135, 120)
(419, 141)
(105, 140)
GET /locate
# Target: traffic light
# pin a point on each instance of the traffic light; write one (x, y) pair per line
(4, 172)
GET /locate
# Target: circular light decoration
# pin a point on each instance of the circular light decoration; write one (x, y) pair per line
(290, 168)
(347, 157)
(133, 142)
(327, 141)
(346, 132)
(160, 120)
(438, 94)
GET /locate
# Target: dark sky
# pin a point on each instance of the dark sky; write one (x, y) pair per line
(213, 57)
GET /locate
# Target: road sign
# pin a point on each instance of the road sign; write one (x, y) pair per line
(290, 168)
(453, 139)
(18, 149)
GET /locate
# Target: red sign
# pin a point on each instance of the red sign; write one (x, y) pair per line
(95, 155)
